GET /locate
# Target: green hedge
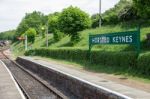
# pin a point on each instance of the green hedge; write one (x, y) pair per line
(114, 58)
(144, 63)
(97, 57)
(119, 59)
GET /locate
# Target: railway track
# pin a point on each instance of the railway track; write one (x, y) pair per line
(32, 87)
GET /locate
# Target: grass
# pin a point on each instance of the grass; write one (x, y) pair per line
(18, 49)
(83, 43)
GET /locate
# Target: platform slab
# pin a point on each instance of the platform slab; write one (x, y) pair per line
(8, 87)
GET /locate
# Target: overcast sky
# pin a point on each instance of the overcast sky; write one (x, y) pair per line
(12, 11)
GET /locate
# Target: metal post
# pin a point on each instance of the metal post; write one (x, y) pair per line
(100, 20)
(138, 40)
(90, 57)
(90, 47)
(26, 42)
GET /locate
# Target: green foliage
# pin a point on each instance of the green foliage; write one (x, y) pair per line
(122, 11)
(144, 63)
(84, 35)
(31, 33)
(114, 58)
(127, 60)
(115, 55)
(98, 57)
(43, 31)
(57, 35)
(127, 13)
(8, 35)
(53, 22)
(73, 20)
(110, 18)
(71, 54)
(54, 26)
(143, 7)
(111, 15)
(31, 20)
(95, 20)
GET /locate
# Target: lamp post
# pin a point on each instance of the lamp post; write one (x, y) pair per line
(26, 43)
(46, 30)
(100, 20)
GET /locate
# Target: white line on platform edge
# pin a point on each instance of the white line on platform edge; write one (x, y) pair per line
(22, 95)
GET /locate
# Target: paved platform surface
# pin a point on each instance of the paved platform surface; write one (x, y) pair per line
(8, 87)
(85, 75)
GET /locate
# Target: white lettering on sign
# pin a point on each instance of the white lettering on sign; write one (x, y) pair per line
(122, 39)
(103, 40)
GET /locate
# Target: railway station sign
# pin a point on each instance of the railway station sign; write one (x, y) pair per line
(128, 37)
(114, 38)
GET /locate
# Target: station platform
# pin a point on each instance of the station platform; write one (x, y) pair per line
(94, 78)
(8, 87)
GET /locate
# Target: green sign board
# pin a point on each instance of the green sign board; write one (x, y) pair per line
(115, 38)
(129, 37)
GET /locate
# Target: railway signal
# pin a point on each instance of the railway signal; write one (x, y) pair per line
(24, 39)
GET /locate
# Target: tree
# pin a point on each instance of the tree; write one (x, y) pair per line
(143, 7)
(95, 20)
(53, 21)
(54, 26)
(31, 20)
(111, 16)
(73, 20)
(128, 13)
(8, 35)
(31, 33)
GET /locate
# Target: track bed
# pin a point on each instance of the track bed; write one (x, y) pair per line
(32, 87)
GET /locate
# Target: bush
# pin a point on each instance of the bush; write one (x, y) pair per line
(144, 63)
(31, 33)
(69, 54)
(98, 57)
(114, 58)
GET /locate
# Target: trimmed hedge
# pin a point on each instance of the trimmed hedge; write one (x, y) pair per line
(127, 59)
(119, 59)
(144, 63)
(114, 58)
